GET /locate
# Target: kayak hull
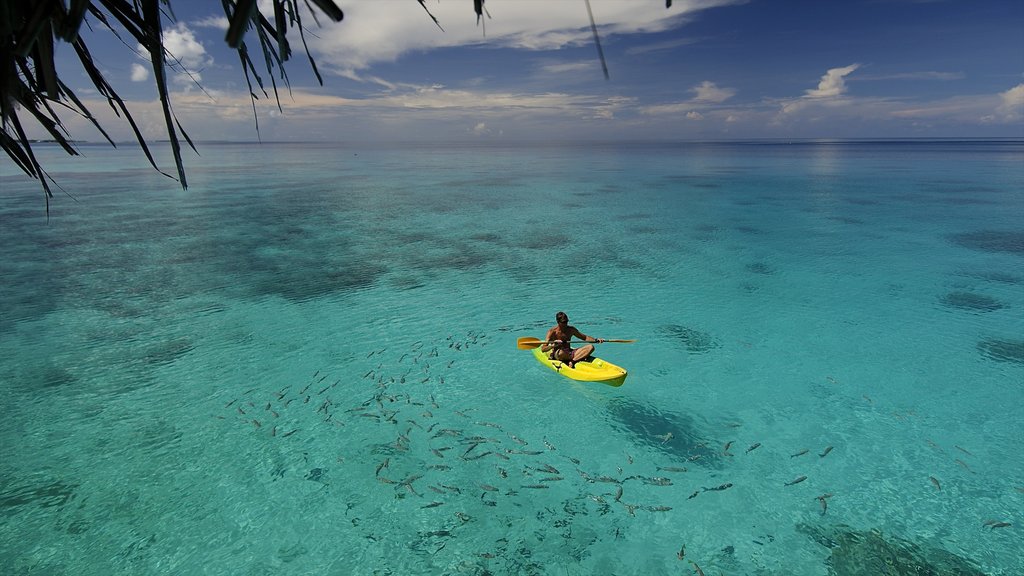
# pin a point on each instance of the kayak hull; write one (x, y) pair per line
(597, 370)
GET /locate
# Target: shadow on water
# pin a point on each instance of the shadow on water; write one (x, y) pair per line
(695, 341)
(45, 495)
(1002, 350)
(676, 435)
(868, 553)
(971, 302)
(992, 241)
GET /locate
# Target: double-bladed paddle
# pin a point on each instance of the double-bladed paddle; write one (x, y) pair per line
(527, 342)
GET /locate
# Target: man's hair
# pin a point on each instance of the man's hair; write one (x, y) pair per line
(561, 317)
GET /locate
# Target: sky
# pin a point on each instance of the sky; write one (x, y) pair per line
(530, 71)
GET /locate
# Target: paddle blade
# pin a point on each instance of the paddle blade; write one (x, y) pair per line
(528, 343)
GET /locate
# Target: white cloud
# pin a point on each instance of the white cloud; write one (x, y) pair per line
(832, 83)
(828, 94)
(1011, 106)
(660, 46)
(694, 115)
(481, 129)
(218, 22)
(375, 32)
(183, 48)
(139, 72)
(927, 75)
(709, 92)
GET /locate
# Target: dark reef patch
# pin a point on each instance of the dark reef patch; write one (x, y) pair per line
(167, 352)
(997, 276)
(48, 495)
(760, 268)
(695, 341)
(1002, 350)
(749, 230)
(971, 301)
(992, 241)
(54, 377)
(545, 240)
(673, 434)
(869, 553)
(845, 219)
(486, 237)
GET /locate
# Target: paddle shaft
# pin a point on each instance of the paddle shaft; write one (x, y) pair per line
(527, 343)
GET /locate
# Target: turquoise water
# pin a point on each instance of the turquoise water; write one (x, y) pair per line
(306, 362)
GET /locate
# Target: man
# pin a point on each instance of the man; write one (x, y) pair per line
(557, 342)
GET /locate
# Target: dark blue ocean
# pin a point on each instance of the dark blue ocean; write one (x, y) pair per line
(306, 362)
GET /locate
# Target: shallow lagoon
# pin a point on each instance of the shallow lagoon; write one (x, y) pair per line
(305, 363)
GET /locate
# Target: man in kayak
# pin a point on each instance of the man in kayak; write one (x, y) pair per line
(557, 344)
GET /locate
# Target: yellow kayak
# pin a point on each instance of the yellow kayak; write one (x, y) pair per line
(595, 371)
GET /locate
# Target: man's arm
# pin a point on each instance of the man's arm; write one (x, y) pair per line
(583, 336)
(547, 338)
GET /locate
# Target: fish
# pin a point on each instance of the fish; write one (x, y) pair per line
(437, 452)
(825, 453)
(672, 468)
(964, 450)
(664, 437)
(658, 481)
(548, 445)
(629, 458)
(800, 453)
(384, 480)
(618, 493)
(725, 449)
(720, 487)
(287, 434)
(935, 481)
(463, 517)
(964, 464)
(489, 488)
(549, 469)
(796, 480)
(535, 486)
(657, 508)
(682, 552)
(694, 495)
(753, 447)
(824, 504)
(432, 505)
(240, 411)
(257, 423)
(552, 479)
(697, 568)
(439, 467)
(382, 465)
(518, 440)
(1000, 525)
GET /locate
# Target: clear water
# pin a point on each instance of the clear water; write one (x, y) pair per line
(238, 378)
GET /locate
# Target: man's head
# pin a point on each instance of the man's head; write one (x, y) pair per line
(561, 318)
